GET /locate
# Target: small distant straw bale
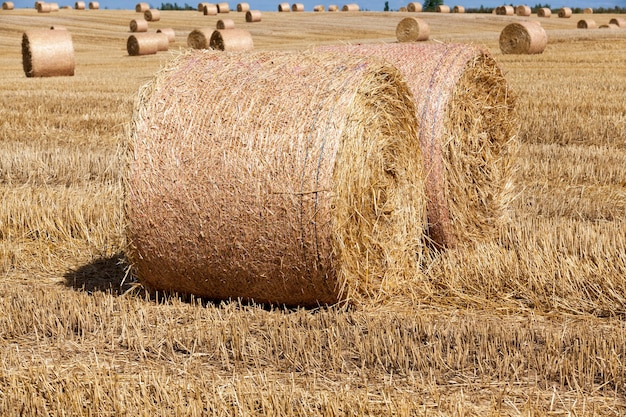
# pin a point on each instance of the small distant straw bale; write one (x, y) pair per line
(139, 25)
(297, 7)
(442, 8)
(319, 8)
(565, 12)
(609, 26)
(201, 6)
(412, 29)
(352, 7)
(333, 8)
(163, 41)
(210, 9)
(169, 32)
(619, 21)
(414, 7)
(523, 10)
(253, 16)
(586, 24)
(44, 8)
(458, 9)
(146, 43)
(225, 24)
(223, 7)
(47, 53)
(523, 38)
(284, 7)
(142, 7)
(152, 15)
(79, 5)
(231, 40)
(505, 10)
(94, 5)
(402, 9)
(199, 38)
(243, 7)
(8, 5)
(544, 12)
(588, 10)
(54, 7)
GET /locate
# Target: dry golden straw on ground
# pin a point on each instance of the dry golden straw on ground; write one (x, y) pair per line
(47, 53)
(297, 7)
(200, 38)
(225, 24)
(302, 185)
(223, 7)
(284, 7)
(79, 5)
(523, 10)
(414, 7)
(210, 10)
(138, 25)
(58, 27)
(231, 40)
(243, 7)
(458, 9)
(352, 7)
(467, 127)
(443, 9)
(94, 5)
(142, 7)
(152, 15)
(8, 5)
(412, 29)
(544, 12)
(169, 32)
(586, 24)
(565, 12)
(144, 43)
(618, 21)
(523, 38)
(253, 16)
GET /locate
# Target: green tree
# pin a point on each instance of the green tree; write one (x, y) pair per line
(386, 9)
(431, 5)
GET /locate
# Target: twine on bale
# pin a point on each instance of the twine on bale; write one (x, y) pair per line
(586, 24)
(544, 12)
(442, 8)
(138, 25)
(565, 12)
(618, 21)
(467, 127)
(253, 16)
(225, 24)
(414, 7)
(223, 7)
(352, 7)
(412, 29)
(94, 5)
(284, 7)
(152, 15)
(8, 5)
(142, 7)
(458, 9)
(231, 40)
(144, 44)
(523, 38)
(301, 186)
(243, 7)
(79, 5)
(199, 38)
(169, 32)
(47, 53)
(210, 10)
(523, 11)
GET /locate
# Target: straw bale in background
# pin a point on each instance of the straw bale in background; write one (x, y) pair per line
(414, 7)
(333, 8)
(458, 9)
(618, 21)
(94, 5)
(231, 40)
(8, 5)
(609, 26)
(142, 7)
(253, 16)
(284, 7)
(565, 12)
(79, 5)
(544, 12)
(505, 10)
(402, 9)
(54, 7)
(319, 8)
(47, 53)
(586, 24)
(144, 43)
(442, 8)
(223, 7)
(302, 185)
(169, 32)
(523, 38)
(199, 38)
(523, 10)
(225, 24)
(43, 7)
(210, 9)
(467, 125)
(152, 15)
(139, 25)
(588, 10)
(352, 7)
(412, 29)
(243, 7)
(201, 6)
(297, 7)
(163, 41)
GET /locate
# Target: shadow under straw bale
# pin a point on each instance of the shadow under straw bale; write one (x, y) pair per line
(109, 274)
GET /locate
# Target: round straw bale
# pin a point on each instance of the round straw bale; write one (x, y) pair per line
(619, 22)
(139, 25)
(142, 7)
(352, 7)
(225, 24)
(54, 7)
(402, 9)
(94, 5)
(544, 12)
(243, 7)
(609, 26)
(505, 10)
(458, 9)
(47, 53)
(588, 10)
(169, 32)
(467, 125)
(297, 7)
(8, 5)
(304, 191)
(57, 27)
(284, 7)
(79, 5)
(152, 15)
(414, 7)
(144, 43)
(565, 12)
(44, 8)
(37, 3)
(201, 6)
(586, 24)
(223, 7)
(523, 10)
(412, 29)
(319, 8)
(199, 38)
(163, 41)
(523, 38)
(210, 9)
(231, 40)
(442, 8)
(253, 16)
(333, 8)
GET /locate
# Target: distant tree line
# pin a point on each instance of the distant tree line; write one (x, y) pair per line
(431, 6)
(175, 6)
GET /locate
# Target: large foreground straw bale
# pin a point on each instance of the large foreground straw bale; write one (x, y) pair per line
(618, 21)
(47, 53)
(144, 44)
(523, 38)
(586, 24)
(544, 12)
(169, 32)
(152, 15)
(231, 40)
(414, 7)
(138, 25)
(300, 183)
(8, 5)
(467, 128)
(565, 13)
(412, 29)
(253, 16)
(523, 10)
(199, 38)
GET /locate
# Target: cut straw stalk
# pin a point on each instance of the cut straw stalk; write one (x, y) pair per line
(138, 25)
(253, 16)
(225, 24)
(414, 7)
(327, 207)
(412, 29)
(47, 53)
(231, 40)
(523, 38)
(467, 125)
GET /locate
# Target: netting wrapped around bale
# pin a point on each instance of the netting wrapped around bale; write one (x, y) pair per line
(586, 24)
(253, 16)
(169, 32)
(143, 44)
(412, 29)
(142, 7)
(8, 5)
(467, 127)
(523, 11)
(79, 5)
(352, 7)
(225, 24)
(523, 38)
(94, 5)
(618, 21)
(199, 38)
(544, 12)
(152, 15)
(284, 7)
(300, 184)
(414, 7)
(210, 10)
(243, 7)
(458, 9)
(565, 12)
(47, 53)
(138, 25)
(231, 40)
(442, 8)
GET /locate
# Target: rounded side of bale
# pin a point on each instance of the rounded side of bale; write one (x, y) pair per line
(163, 41)
(523, 11)
(284, 7)
(586, 24)
(169, 32)
(225, 24)
(253, 16)
(94, 5)
(319, 8)
(618, 21)
(231, 40)
(142, 7)
(544, 12)
(54, 7)
(138, 25)
(333, 8)
(352, 7)
(588, 10)
(143, 44)
(458, 9)
(565, 12)
(523, 38)
(442, 8)
(414, 7)
(412, 29)
(210, 10)
(44, 8)
(243, 7)
(297, 7)
(152, 15)
(467, 127)
(79, 5)
(8, 5)
(199, 38)
(505, 10)
(47, 53)
(327, 208)
(223, 7)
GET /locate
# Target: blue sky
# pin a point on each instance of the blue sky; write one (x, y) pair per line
(375, 5)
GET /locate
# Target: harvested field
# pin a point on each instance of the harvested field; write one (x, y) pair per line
(531, 323)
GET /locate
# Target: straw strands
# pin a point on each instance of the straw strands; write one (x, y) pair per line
(412, 29)
(209, 9)
(324, 207)
(225, 24)
(284, 7)
(243, 7)
(352, 7)
(523, 38)
(223, 7)
(199, 38)
(523, 10)
(297, 7)
(467, 124)
(442, 8)
(142, 7)
(414, 7)
(586, 24)
(231, 40)
(94, 5)
(458, 9)
(565, 12)
(79, 5)
(618, 21)
(253, 16)
(138, 25)
(169, 32)
(544, 12)
(152, 15)
(47, 53)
